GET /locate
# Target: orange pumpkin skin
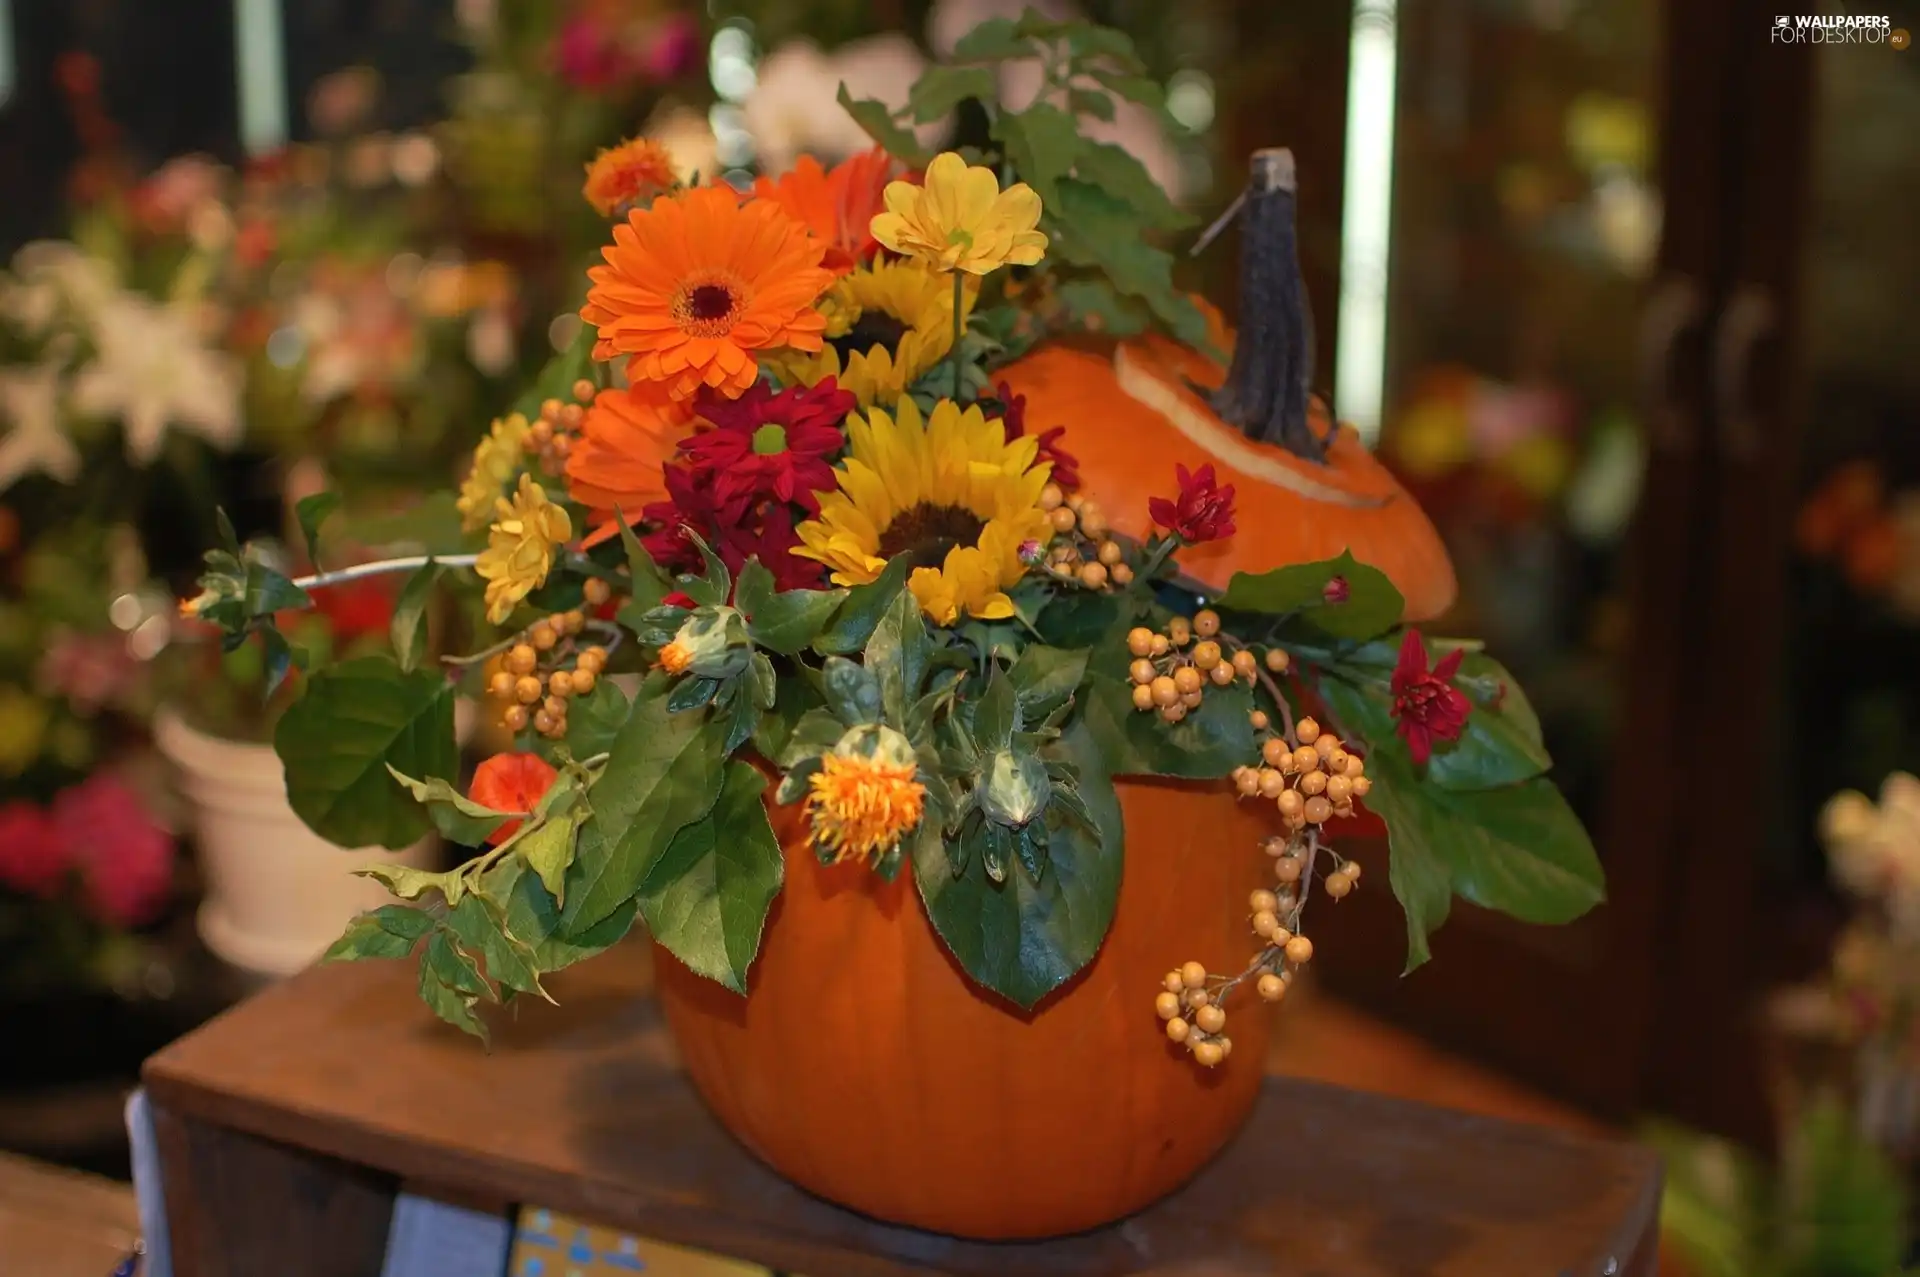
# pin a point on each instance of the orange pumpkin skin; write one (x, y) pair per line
(864, 1066)
(1116, 409)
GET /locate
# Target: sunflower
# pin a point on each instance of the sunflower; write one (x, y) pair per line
(887, 324)
(615, 464)
(950, 490)
(697, 282)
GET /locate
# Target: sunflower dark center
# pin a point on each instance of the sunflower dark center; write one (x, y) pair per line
(926, 532)
(873, 328)
(710, 301)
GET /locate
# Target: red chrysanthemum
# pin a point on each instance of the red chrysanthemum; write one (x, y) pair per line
(770, 445)
(764, 531)
(1426, 704)
(1013, 418)
(1204, 511)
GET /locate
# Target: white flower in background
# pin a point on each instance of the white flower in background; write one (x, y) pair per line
(150, 371)
(51, 276)
(688, 139)
(36, 440)
(1874, 849)
(1134, 129)
(792, 110)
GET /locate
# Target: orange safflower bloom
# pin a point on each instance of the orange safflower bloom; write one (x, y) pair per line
(837, 207)
(616, 462)
(628, 174)
(697, 283)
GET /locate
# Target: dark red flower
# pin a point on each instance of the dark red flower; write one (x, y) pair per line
(678, 599)
(764, 531)
(1012, 411)
(1336, 591)
(1204, 511)
(1426, 703)
(771, 445)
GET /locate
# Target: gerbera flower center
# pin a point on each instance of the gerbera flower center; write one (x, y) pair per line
(873, 328)
(770, 440)
(925, 532)
(709, 307)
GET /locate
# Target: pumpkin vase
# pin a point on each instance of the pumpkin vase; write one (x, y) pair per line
(865, 1066)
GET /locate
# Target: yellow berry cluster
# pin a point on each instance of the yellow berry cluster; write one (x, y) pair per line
(1170, 671)
(545, 668)
(1312, 782)
(551, 436)
(1193, 1014)
(1083, 547)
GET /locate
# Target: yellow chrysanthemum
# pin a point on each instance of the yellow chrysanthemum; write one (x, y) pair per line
(948, 489)
(495, 461)
(887, 324)
(520, 547)
(866, 796)
(960, 219)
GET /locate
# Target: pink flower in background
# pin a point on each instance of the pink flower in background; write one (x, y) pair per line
(88, 670)
(33, 856)
(125, 859)
(585, 57)
(674, 48)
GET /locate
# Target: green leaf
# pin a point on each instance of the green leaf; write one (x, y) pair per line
(354, 722)
(1134, 88)
(409, 883)
(692, 693)
(852, 691)
(1091, 41)
(814, 734)
(994, 40)
(451, 986)
(648, 584)
(664, 774)
(787, 623)
(1415, 870)
(853, 624)
(1091, 227)
(1088, 102)
(548, 851)
(594, 720)
(1494, 691)
(1043, 142)
(483, 931)
(900, 649)
(1095, 305)
(268, 591)
(1494, 748)
(408, 628)
(458, 817)
(766, 684)
(996, 717)
(1021, 937)
(534, 917)
(712, 587)
(706, 898)
(1372, 607)
(311, 512)
(1106, 165)
(876, 121)
(942, 88)
(793, 698)
(432, 524)
(1205, 745)
(391, 931)
(280, 658)
(1045, 677)
(755, 587)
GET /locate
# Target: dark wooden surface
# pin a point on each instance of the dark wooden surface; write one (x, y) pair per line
(319, 1096)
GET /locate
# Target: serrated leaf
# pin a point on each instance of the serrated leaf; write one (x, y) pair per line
(1371, 605)
(852, 691)
(876, 121)
(1045, 677)
(1042, 141)
(1091, 227)
(706, 898)
(900, 649)
(787, 623)
(409, 883)
(996, 716)
(310, 512)
(391, 931)
(356, 720)
(993, 40)
(548, 850)
(408, 628)
(942, 88)
(534, 917)
(862, 609)
(482, 931)
(594, 720)
(1106, 165)
(664, 773)
(455, 815)
(451, 986)
(1205, 745)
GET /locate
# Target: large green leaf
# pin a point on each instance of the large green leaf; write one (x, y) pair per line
(408, 627)
(391, 931)
(1045, 676)
(664, 773)
(1371, 605)
(356, 720)
(862, 609)
(594, 720)
(942, 88)
(1108, 166)
(900, 649)
(1205, 745)
(1496, 746)
(534, 917)
(1093, 227)
(482, 929)
(1019, 937)
(1042, 141)
(706, 898)
(1415, 870)
(783, 622)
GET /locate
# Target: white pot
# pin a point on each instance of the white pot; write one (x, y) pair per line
(277, 894)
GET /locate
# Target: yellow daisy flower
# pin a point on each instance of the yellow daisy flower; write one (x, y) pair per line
(960, 219)
(520, 547)
(866, 796)
(887, 324)
(495, 461)
(947, 489)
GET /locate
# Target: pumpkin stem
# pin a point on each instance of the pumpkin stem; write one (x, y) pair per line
(1266, 391)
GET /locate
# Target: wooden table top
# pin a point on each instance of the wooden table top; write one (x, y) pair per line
(581, 1108)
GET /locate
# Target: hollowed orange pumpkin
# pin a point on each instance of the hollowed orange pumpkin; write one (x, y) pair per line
(865, 1066)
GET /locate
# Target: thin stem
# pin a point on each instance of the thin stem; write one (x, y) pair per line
(959, 322)
(474, 658)
(383, 567)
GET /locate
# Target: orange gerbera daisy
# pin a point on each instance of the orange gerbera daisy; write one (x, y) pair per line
(616, 463)
(698, 282)
(629, 174)
(838, 206)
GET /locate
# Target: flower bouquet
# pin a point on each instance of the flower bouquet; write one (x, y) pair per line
(1002, 688)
